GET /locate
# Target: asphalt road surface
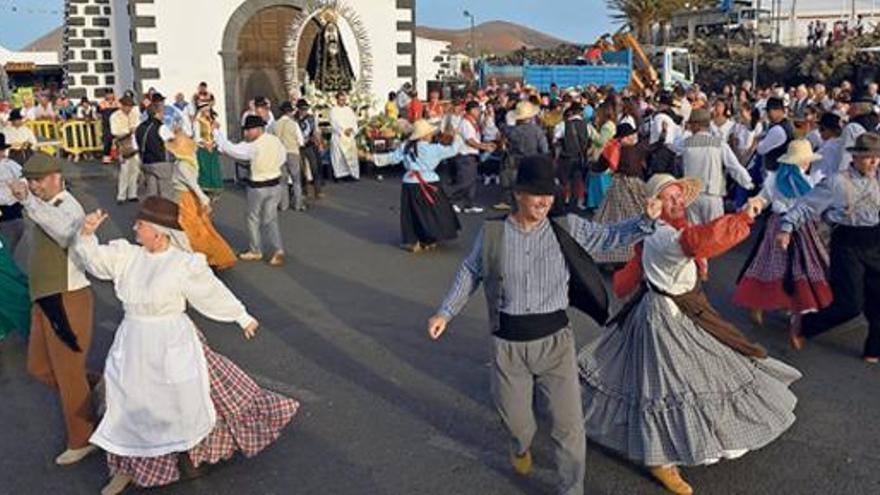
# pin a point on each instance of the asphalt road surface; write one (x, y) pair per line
(387, 411)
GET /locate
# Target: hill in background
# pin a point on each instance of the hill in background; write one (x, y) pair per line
(492, 37)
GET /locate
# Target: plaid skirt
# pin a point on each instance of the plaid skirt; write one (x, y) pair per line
(249, 418)
(624, 199)
(795, 279)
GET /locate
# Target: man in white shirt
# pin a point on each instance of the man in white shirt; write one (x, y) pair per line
(862, 119)
(288, 131)
(62, 315)
(20, 137)
(663, 124)
(829, 165)
(266, 155)
(123, 123)
(343, 143)
(779, 133)
(467, 162)
(11, 223)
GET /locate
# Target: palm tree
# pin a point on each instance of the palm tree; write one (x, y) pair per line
(640, 15)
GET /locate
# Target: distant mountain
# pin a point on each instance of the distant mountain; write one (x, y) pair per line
(53, 41)
(496, 37)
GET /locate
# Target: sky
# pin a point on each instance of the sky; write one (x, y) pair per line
(573, 20)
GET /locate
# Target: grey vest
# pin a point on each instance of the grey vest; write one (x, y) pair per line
(702, 159)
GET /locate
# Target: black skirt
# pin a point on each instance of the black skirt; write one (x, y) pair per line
(421, 221)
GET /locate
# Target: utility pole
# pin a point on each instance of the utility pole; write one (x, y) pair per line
(756, 33)
(473, 36)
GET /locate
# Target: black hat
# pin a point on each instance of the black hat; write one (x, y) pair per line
(15, 114)
(775, 103)
(157, 97)
(286, 107)
(536, 175)
(665, 98)
(160, 211)
(830, 121)
(302, 103)
(471, 105)
(252, 121)
(624, 130)
(3, 145)
(261, 101)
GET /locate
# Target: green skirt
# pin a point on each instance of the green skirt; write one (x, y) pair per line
(210, 173)
(15, 304)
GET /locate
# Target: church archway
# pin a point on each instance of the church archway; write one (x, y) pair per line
(253, 54)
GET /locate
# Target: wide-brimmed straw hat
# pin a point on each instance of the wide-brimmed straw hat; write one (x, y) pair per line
(690, 186)
(181, 146)
(160, 211)
(866, 144)
(421, 129)
(525, 110)
(799, 151)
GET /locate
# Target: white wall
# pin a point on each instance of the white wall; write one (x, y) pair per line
(427, 50)
(189, 50)
(121, 45)
(38, 58)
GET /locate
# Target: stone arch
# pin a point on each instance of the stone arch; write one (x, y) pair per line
(229, 53)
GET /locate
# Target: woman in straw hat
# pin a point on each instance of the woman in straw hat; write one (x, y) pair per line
(793, 279)
(426, 214)
(168, 393)
(195, 205)
(671, 383)
(626, 194)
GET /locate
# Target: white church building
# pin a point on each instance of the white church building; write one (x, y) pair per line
(241, 48)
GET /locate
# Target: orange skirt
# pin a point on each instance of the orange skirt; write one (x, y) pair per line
(202, 235)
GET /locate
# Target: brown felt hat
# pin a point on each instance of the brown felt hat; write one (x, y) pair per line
(866, 144)
(40, 165)
(160, 211)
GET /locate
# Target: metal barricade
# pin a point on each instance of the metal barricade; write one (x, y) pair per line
(80, 136)
(48, 135)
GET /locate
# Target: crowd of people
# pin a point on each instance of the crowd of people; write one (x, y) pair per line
(651, 185)
(819, 35)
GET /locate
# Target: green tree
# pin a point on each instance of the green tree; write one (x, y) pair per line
(640, 15)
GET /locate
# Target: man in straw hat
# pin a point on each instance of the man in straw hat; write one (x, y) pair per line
(524, 139)
(679, 401)
(533, 267)
(61, 322)
(849, 200)
(709, 159)
(266, 155)
(123, 124)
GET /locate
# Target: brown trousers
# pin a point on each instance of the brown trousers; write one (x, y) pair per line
(51, 362)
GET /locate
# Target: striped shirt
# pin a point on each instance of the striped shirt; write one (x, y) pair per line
(535, 276)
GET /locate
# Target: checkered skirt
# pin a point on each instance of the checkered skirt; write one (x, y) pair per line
(249, 418)
(762, 285)
(624, 199)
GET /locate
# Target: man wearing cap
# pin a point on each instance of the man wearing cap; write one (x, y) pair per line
(533, 267)
(862, 119)
(850, 201)
(829, 131)
(123, 124)
(11, 223)
(19, 137)
(266, 155)
(61, 318)
(150, 137)
(310, 150)
(524, 139)
(343, 144)
(288, 131)
(779, 133)
(709, 158)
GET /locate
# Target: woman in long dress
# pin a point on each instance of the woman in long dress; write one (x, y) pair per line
(794, 279)
(426, 214)
(168, 393)
(626, 196)
(599, 177)
(195, 206)
(15, 301)
(210, 171)
(670, 383)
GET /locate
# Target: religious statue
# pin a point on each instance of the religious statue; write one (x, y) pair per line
(329, 68)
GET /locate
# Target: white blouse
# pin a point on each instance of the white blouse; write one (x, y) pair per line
(664, 262)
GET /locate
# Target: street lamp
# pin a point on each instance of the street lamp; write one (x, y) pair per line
(473, 39)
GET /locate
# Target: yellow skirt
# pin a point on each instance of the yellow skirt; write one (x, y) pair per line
(203, 237)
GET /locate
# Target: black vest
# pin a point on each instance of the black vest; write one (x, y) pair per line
(771, 159)
(150, 143)
(574, 141)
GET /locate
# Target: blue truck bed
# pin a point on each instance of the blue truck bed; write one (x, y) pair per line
(616, 72)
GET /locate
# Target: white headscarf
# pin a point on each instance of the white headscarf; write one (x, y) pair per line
(178, 237)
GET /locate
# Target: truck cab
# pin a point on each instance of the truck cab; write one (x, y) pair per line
(674, 65)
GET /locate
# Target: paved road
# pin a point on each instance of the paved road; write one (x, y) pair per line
(385, 410)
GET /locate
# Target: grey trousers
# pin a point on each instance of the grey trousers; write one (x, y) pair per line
(263, 216)
(550, 366)
(158, 180)
(705, 209)
(292, 170)
(127, 182)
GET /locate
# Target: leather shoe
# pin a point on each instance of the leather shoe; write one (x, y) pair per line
(671, 479)
(277, 259)
(72, 456)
